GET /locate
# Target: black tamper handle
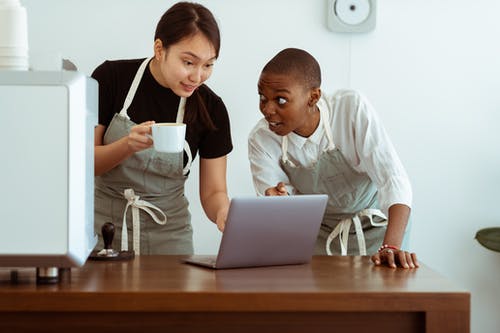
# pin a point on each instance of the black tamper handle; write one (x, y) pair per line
(108, 232)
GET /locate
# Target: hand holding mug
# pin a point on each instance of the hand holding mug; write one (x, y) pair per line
(139, 137)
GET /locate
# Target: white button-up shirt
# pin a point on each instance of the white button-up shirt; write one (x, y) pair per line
(357, 132)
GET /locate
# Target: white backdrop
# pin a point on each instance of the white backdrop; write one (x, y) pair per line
(431, 69)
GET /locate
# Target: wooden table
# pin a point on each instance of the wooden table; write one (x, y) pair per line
(332, 294)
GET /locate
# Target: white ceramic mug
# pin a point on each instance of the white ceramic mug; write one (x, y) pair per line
(169, 137)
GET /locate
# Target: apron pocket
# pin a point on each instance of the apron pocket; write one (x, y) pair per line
(161, 170)
(339, 189)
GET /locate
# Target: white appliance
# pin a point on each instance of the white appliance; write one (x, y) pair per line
(47, 170)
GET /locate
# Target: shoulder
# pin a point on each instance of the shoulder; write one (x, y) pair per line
(116, 69)
(121, 64)
(262, 135)
(214, 105)
(348, 103)
(209, 96)
(260, 128)
(213, 102)
(262, 142)
(347, 99)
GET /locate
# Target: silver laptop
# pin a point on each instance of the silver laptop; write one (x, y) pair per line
(265, 231)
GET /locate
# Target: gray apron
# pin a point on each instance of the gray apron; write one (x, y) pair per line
(352, 200)
(147, 188)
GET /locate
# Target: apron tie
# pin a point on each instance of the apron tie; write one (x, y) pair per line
(342, 230)
(136, 204)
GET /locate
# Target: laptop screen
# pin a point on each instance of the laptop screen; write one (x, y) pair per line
(273, 230)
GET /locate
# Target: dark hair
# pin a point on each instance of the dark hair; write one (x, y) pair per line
(184, 20)
(299, 63)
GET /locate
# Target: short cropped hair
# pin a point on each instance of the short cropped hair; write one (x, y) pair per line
(298, 63)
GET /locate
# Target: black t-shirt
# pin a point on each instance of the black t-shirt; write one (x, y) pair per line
(155, 102)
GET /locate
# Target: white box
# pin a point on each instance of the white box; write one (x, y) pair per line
(47, 168)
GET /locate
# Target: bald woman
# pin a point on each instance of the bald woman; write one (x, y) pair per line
(309, 143)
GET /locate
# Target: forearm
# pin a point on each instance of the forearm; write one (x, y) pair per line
(398, 220)
(106, 157)
(213, 189)
(214, 204)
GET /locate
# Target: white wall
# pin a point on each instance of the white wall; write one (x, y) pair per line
(431, 68)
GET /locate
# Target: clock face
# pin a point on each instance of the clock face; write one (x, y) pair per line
(351, 15)
(352, 12)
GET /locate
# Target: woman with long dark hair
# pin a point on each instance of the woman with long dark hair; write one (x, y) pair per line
(140, 190)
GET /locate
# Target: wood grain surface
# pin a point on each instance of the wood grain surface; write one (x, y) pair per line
(348, 293)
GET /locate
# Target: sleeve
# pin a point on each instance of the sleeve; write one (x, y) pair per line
(264, 153)
(217, 143)
(102, 74)
(378, 157)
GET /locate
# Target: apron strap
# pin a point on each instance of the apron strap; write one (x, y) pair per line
(284, 151)
(133, 87)
(136, 204)
(328, 131)
(187, 149)
(342, 230)
(180, 110)
(180, 119)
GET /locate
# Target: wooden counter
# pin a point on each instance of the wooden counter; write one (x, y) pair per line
(332, 294)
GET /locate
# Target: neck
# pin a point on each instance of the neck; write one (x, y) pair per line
(310, 124)
(154, 67)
